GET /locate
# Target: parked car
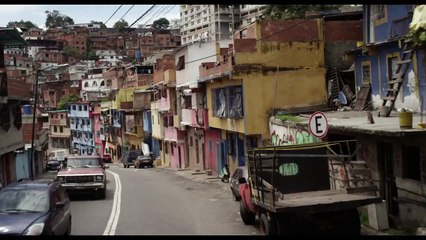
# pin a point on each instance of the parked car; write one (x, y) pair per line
(239, 176)
(146, 159)
(84, 173)
(39, 207)
(53, 165)
(106, 158)
(129, 157)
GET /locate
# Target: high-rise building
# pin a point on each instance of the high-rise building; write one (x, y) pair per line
(214, 22)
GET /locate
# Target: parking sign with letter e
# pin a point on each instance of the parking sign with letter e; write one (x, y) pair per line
(318, 125)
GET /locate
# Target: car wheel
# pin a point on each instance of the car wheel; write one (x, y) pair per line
(68, 231)
(247, 216)
(102, 194)
(267, 226)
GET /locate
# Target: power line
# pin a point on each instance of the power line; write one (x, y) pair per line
(126, 13)
(113, 14)
(153, 15)
(146, 12)
(160, 13)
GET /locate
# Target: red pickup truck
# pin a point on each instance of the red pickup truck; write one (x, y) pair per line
(84, 173)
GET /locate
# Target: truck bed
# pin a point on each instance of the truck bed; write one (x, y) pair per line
(318, 201)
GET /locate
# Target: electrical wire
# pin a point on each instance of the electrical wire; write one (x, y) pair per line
(113, 14)
(145, 13)
(126, 13)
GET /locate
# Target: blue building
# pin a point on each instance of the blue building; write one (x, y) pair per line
(377, 60)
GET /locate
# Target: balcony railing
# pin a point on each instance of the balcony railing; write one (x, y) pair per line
(194, 117)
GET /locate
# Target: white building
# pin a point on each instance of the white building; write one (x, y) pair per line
(82, 127)
(214, 22)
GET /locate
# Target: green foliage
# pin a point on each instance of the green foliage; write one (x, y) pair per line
(55, 19)
(91, 55)
(22, 23)
(161, 23)
(65, 101)
(121, 25)
(103, 26)
(288, 118)
(70, 52)
(294, 11)
(418, 37)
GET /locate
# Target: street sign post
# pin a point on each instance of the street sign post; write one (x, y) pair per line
(318, 125)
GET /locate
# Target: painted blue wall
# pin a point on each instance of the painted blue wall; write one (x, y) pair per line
(383, 31)
(374, 72)
(155, 147)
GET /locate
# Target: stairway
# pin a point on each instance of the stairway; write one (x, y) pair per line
(395, 82)
(334, 81)
(360, 178)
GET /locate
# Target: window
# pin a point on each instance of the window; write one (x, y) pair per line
(235, 102)
(366, 72)
(288, 169)
(181, 63)
(88, 122)
(378, 14)
(62, 116)
(61, 129)
(74, 107)
(55, 128)
(412, 164)
(85, 107)
(79, 107)
(391, 65)
(72, 120)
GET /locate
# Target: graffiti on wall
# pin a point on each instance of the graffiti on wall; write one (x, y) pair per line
(284, 135)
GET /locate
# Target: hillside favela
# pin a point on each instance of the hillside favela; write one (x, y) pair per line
(213, 120)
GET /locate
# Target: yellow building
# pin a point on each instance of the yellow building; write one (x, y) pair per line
(273, 65)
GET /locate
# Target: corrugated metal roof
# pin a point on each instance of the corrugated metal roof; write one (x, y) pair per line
(11, 37)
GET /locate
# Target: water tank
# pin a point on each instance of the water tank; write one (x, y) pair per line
(27, 109)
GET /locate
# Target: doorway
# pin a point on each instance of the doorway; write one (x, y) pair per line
(388, 190)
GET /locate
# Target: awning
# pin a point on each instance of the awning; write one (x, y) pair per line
(350, 69)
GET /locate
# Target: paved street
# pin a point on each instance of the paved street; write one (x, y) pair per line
(158, 202)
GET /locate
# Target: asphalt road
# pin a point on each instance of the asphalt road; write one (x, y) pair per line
(152, 201)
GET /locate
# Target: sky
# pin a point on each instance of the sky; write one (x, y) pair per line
(86, 13)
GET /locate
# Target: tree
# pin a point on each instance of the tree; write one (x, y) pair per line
(103, 26)
(294, 11)
(65, 101)
(55, 19)
(161, 23)
(121, 25)
(70, 52)
(22, 23)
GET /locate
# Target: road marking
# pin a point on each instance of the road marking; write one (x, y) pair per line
(116, 205)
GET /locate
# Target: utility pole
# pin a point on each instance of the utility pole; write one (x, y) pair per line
(31, 163)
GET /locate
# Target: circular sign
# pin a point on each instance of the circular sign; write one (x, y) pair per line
(318, 125)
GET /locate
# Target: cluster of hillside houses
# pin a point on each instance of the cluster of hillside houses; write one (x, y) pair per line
(200, 105)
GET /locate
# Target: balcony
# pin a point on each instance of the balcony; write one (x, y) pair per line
(126, 105)
(142, 100)
(210, 71)
(58, 122)
(164, 104)
(194, 117)
(174, 135)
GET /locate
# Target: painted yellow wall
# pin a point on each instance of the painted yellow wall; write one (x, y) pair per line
(294, 89)
(285, 54)
(125, 95)
(234, 125)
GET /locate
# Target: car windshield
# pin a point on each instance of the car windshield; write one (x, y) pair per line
(83, 163)
(24, 200)
(134, 154)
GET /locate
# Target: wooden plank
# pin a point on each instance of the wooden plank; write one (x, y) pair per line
(362, 97)
(364, 189)
(319, 201)
(404, 61)
(399, 80)
(363, 171)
